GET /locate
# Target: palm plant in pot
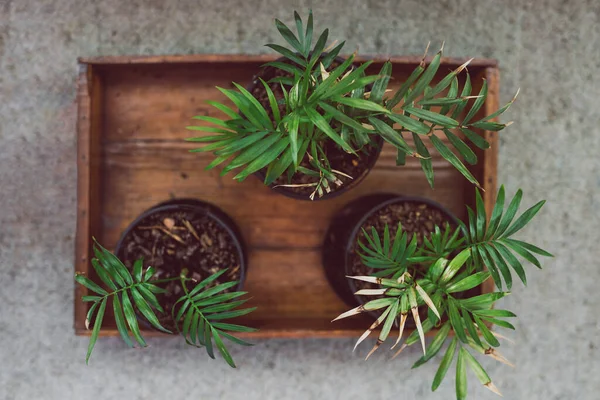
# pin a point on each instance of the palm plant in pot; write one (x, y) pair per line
(178, 268)
(433, 284)
(311, 125)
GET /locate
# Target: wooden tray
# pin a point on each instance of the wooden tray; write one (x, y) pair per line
(131, 155)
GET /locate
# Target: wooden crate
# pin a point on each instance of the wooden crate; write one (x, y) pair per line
(131, 155)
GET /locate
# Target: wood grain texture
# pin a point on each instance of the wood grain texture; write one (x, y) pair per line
(132, 115)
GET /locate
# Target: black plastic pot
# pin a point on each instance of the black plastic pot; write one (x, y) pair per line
(342, 235)
(199, 207)
(371, 160)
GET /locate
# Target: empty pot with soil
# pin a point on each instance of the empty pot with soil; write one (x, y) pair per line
(416, 215)
(184, 234)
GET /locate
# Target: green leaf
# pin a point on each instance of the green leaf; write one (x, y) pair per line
(378, 303)
(469, 282)
(482, 300)
(137, 270)
(477, 104)
(333, 53)
(223, 108)
(524, 219)
(465, 93)
(150, 297)
(289, 36)
(426, 163)
(461, 376)
(455, 265)
(411, 124)
(522, 252)
(233, 327)
(510, 213)
(499, 322)
(432, 117)
(309, 33)
(456, 321)
(487, 334)
(476, 367)
(468, 323)
(390, 135)
(290, 55)
(235, 339)
(389, 322)
(252, 152)
(208, 340)
(206, 281)
(529, 247)
(424, 79)
(380, 85)
(214, 290)
(399, 95)
(489, 126)
(131, 319)
(361, 104)
(86, 299)
(112, 263)
(96, 330)
(496, 214)
(464, 150)
(103, 274)
(88, 283)
(324, 126)
(222, 348)
(258, 108)
(452, 159)
(341, 117)
(146, 311)
(481, 216)
(268, 156)
(475, 138)
(444, 365)
(512, 260)
(120, 321)
(496, 259)
(435, 346)
(318, 49)
(230, 314)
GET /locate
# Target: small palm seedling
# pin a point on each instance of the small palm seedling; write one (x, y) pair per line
(198, 314)
(317, 106)
(439, 276)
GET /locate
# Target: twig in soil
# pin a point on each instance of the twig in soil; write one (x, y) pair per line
(233, 270)
(190, 228)
(173, 235)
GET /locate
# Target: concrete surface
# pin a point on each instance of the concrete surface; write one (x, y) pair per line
(547, 48)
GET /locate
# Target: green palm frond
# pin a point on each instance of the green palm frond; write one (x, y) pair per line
(492, 244)
(121, 287)
(412, 103)
(390, 256)
(201, 313)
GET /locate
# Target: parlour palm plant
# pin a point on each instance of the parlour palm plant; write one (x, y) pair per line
(198, 315)
(438, 275)
(318, 100)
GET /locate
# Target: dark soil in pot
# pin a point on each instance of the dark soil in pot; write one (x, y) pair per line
(180, 235)
(357, 166)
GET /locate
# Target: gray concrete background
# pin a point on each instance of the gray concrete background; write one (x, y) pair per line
(547, 48)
